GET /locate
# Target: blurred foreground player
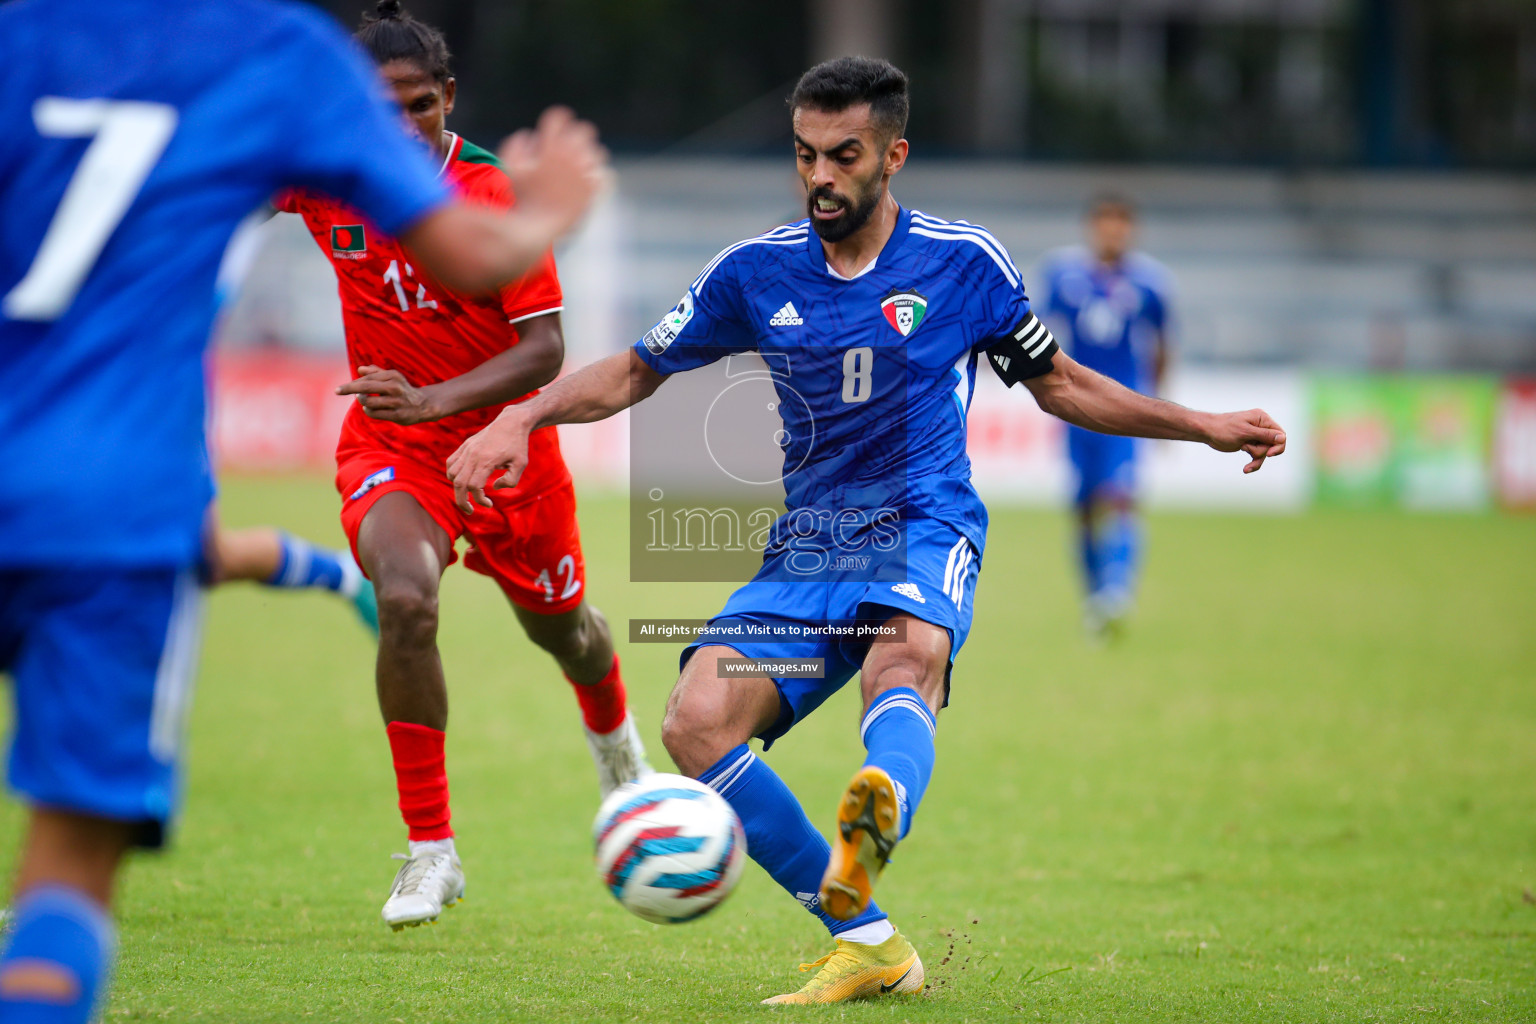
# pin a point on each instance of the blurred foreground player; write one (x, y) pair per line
(265, 554)
(1111, 309)
(435, 366)
(138, 135)
(880, 315)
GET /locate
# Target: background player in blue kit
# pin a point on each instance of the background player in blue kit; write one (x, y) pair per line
(1111, 309)
(136, 135)
(891, 310)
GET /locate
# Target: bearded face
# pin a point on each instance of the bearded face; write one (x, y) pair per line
(857, 207)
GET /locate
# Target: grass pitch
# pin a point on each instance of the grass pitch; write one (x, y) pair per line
(1301, 788)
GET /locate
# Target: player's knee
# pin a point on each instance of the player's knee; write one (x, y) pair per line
(407, 610)
(695, 732)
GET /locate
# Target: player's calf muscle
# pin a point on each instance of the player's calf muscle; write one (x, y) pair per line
(577, 639)
(919, 662)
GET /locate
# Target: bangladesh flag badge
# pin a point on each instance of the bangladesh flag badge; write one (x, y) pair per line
(904, 310)
(348, 241)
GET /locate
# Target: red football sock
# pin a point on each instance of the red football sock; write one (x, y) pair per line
(421, 778)
(602, 703)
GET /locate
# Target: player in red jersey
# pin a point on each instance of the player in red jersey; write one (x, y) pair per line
(433, 367)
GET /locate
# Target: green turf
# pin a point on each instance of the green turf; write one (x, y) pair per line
(1300, 789)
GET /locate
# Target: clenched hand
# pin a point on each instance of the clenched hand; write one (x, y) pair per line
(1254, 432)
(556, 168)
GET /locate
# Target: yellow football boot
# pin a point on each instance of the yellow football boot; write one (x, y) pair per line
(868, 828)
(857, 971)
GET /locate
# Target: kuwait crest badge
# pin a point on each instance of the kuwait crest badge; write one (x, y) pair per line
(904, 310)
(348, 241)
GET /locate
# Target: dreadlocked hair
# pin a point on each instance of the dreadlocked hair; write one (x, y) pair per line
(390, 34)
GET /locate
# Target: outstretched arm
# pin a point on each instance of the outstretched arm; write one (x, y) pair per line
(527, 366)
(1091, 400)
(592, 393)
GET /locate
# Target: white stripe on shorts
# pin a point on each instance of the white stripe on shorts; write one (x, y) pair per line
(178, 663)
(949, 566)
(957, 594)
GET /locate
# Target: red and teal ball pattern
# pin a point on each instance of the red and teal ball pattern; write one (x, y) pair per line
(669, 848)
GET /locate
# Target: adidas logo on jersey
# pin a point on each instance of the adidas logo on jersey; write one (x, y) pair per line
(909, 590)
(786, 317)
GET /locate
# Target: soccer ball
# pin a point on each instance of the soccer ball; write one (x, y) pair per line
(668, 848)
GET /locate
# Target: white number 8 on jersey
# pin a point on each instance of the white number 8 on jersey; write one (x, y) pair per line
(858, 372)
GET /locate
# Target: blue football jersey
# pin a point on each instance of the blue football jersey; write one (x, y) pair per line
(136, 136)
(1108, 318)
(874, 373)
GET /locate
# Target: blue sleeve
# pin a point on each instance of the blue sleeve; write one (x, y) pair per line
(1047, 299)
(705, 326)
(1000, 299)
(1017, 343)
(1048, 302)
(1161, 311)
(1158, 305)
(348, 141)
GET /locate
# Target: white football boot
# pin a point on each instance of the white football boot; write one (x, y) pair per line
(430, 879)
(620, 756)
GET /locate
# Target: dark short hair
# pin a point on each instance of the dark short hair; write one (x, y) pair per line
(1107, 199)
(835, 85)
(390, 34)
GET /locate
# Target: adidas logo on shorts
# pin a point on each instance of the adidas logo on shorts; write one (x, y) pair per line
(909, 590)
(786, 317)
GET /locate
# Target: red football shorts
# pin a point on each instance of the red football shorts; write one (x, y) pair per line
(531, 546)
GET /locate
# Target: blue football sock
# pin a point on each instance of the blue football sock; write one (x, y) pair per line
(898, 733)
(59, 956)
(1119, 543)
(305, 565)
(1088, 555)
(779, 835)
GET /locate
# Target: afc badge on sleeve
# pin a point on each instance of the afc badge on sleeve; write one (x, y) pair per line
(666, 331)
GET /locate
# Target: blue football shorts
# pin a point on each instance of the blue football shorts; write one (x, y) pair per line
(101, 662)
(1105, 463)
(932, 577)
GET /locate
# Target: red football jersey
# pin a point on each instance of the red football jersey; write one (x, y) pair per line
(398, 317)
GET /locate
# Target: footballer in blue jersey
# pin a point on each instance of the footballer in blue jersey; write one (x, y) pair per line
(874, 318)
(1111, 308)
(137, 134)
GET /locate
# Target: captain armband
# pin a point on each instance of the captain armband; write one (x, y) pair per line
(1025, 353)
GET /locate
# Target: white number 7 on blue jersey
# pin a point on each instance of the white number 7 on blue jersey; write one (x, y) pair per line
(129, 137)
